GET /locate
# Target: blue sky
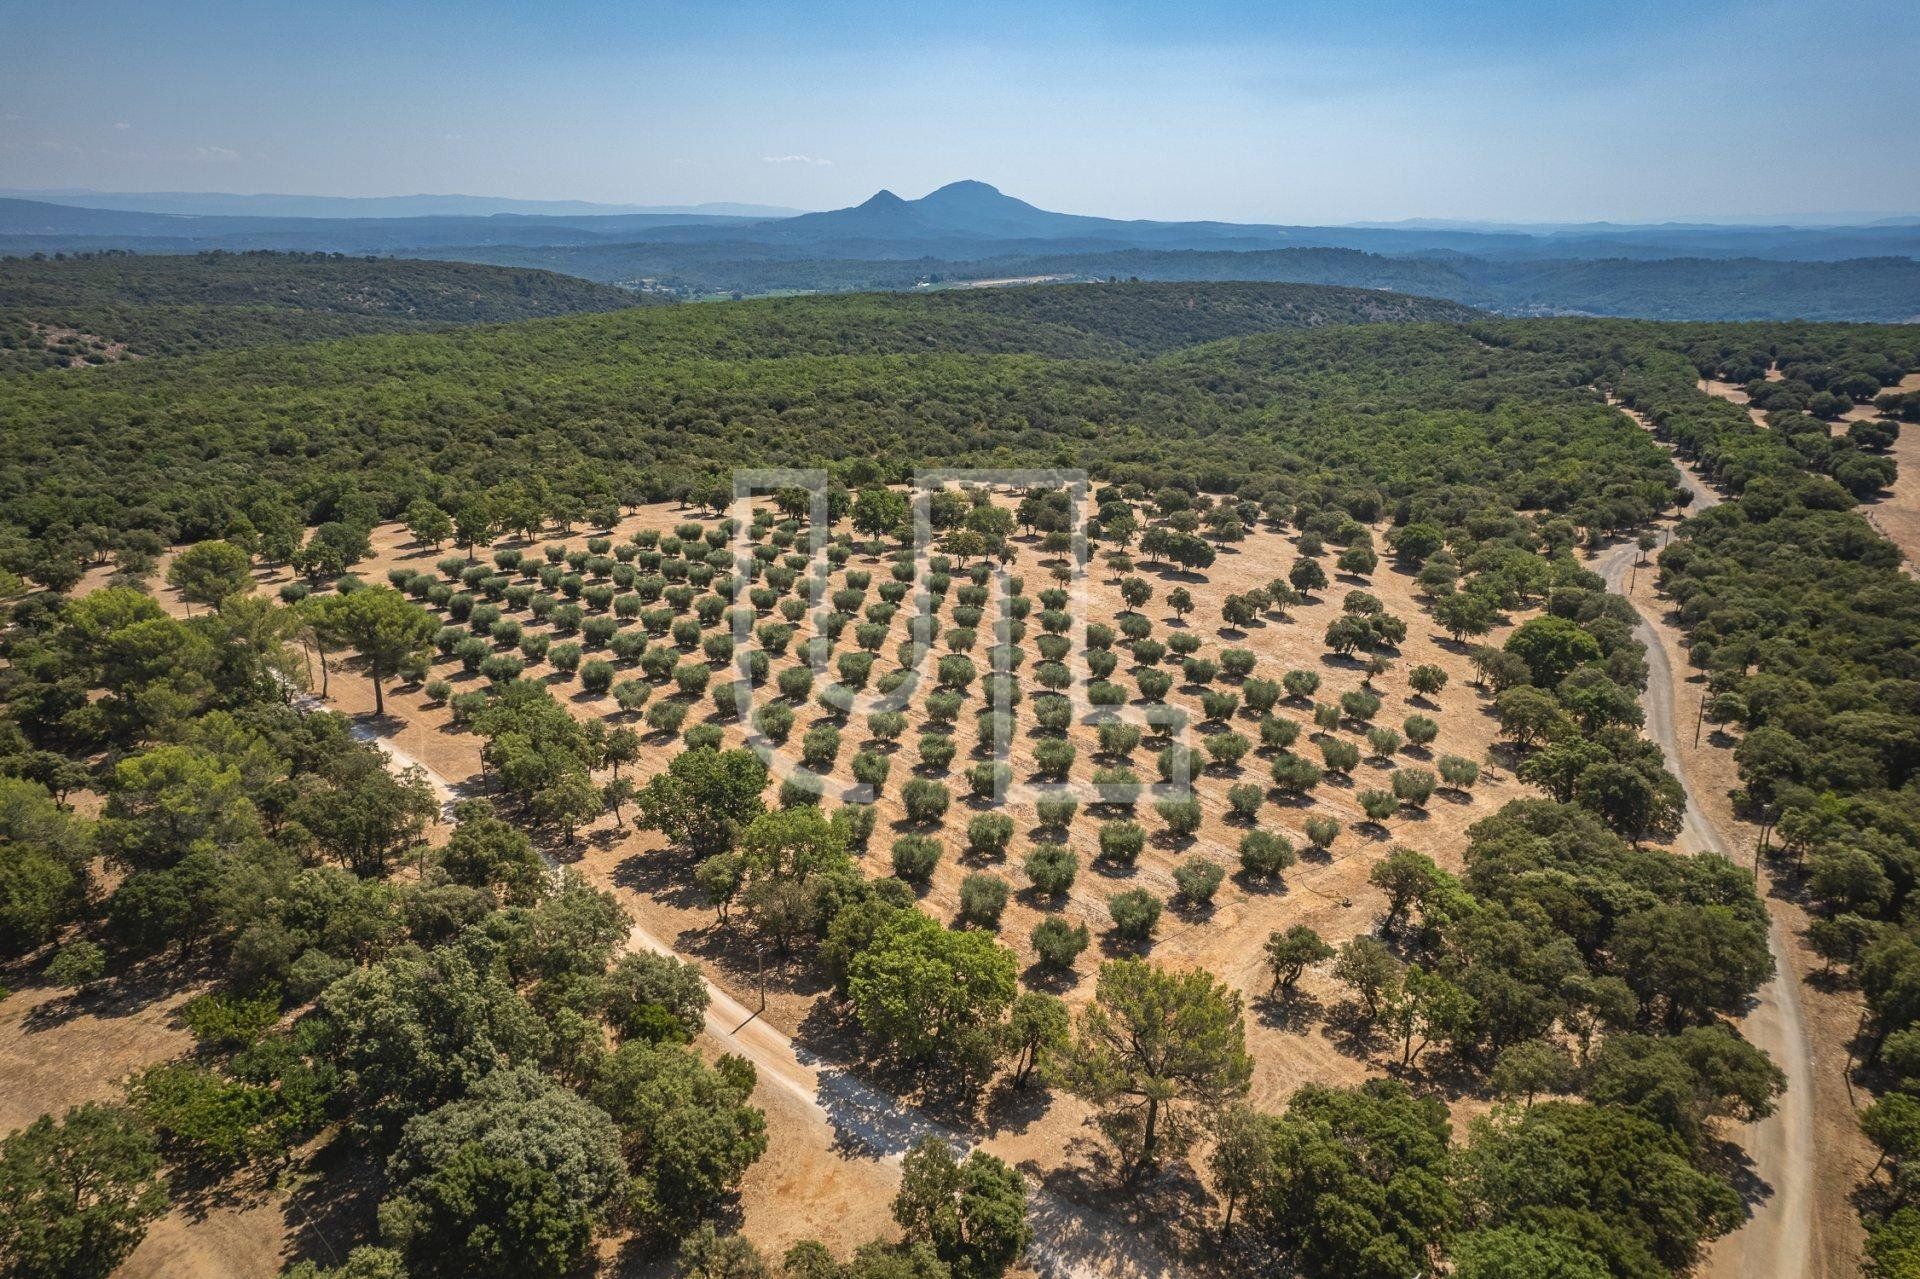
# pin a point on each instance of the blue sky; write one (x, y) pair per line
(1312, 111)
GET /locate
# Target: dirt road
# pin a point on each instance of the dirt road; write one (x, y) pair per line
(1777, 1240)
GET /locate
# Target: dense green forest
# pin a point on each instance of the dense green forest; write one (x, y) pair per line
(1879, 289)
(652, 403)
(175, 305)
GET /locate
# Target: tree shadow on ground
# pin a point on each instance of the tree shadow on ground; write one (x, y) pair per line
(1164, 1206)
(330, 1210)
(665, 876)
(1290, 1011)
(879, 1107)
(1010, 1109)
(127, 994)
(1346, 1028)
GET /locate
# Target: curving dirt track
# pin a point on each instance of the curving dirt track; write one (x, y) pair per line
(1777, 1240)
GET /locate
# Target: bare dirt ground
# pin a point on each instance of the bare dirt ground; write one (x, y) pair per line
(61, 1049)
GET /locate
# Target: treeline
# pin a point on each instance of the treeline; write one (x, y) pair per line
(183, 304)
(1870, 289)
(577, 414)
(472, 1027)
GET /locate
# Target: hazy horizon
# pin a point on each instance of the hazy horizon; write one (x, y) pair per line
(1560, 112)
(1813, 219)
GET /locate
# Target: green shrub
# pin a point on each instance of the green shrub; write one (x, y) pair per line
(936, 751)
(988, 835)
(1413, 786)
(1182, 816)
(1134, 914)
(1340, 756)
(1118, 738)
(1359, 705)
(226, 1021)
(1322, 831)
(1051, 868)
(631, 694)
(1278, 734)
(944, 707)
(1293, 775)
(465, 706)
(871, 769)
(925, 800)
(501, 668)
(1457, 772)
(989, 778)
(1056, 811)
(1054, 757)
(1225, 749)
(1378, 805)
(1119, 786)
(983, 897)
(472, 652)
(801, 789)
(1264, 854)
(1122, 842)
(81, 963)
(914, 857)
(886, 726)
(855, 822)
(1198, 879)
(666, 717)
(1059, 943)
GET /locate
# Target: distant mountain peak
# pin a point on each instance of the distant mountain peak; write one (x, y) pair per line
(966, 186)
(883, 199)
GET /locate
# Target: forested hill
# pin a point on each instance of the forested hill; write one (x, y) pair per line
(54, 313)
(1879, 289)
(1163, 317)
(658, 402)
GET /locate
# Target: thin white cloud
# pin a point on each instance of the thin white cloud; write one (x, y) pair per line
(215, 153)
(121, 124)
(796, 159)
